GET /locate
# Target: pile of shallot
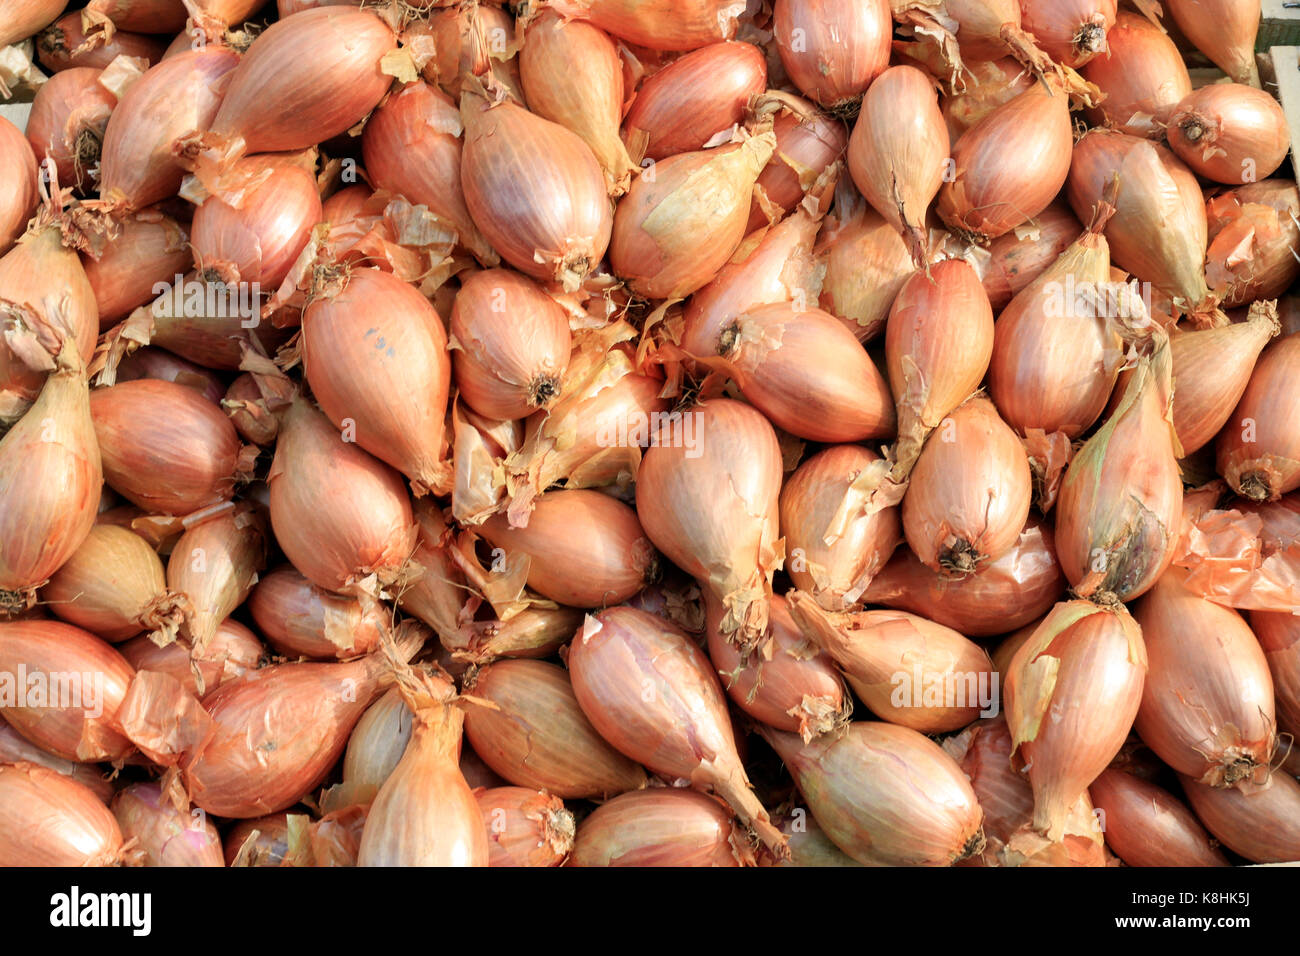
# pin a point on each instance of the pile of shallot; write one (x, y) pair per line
(614, 433)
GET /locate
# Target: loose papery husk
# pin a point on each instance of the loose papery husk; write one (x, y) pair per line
(1237, 558)
(1072, 739)
(601, 389)
(983, 751)
(1254, 237)
(795, 688)
(1119, 505)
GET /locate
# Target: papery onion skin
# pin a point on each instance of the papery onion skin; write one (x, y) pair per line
(780, 268)
(148, 251)
(683, 106)
(909, 671)
(899, 165)
(412, 146)
(1230, 133)
(713, 511)
(1158, 232)
(50, 481)
(1266, 214)
(137, 167)
(73, 721)
(213, 338)
(59, 46)
(1259, 448)
(525, 827)
(809, 844)
(47, 819)
(1015, 262)
(1057, 350)
(808, 142)
(299, 619)
(796, 690)
(357, 359)
(22, 18)
(867, 264)
(1147, 826)
(1262, 825)
(589, 101)
(233, 651)
(513, 344)
(651, 692)
(38, 263)
(661, 827)
(1120, 503)
(1003, 595)
(1279, 636)
(377, 743)
(259, 241)
(885, 795)
(156, 363)
(114, 586)
(988, 194)
(533, 633)
(244, 403)
(146, 16)
(470, 43)
(807, 373)
(983, 752)
(277, 733)
(540, 738)
(666, 242)
(1224, 30)
(67, 123)
(1207, 704)
(534, 190)
(995, 82)
(305, 79)
(1142, 74)
(165, 447)
(1085, 665)
(659, 24)
(336, 535)
(1072, 32)
(268, 848)
(165, 835)
(437, 595)
(586, 548)
(15, 748)
(833, 49)
(970, 491)
(938, 342)
(18, 202)
(1212, 368)
(214, 564)
(835, 572)
(425, 813)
